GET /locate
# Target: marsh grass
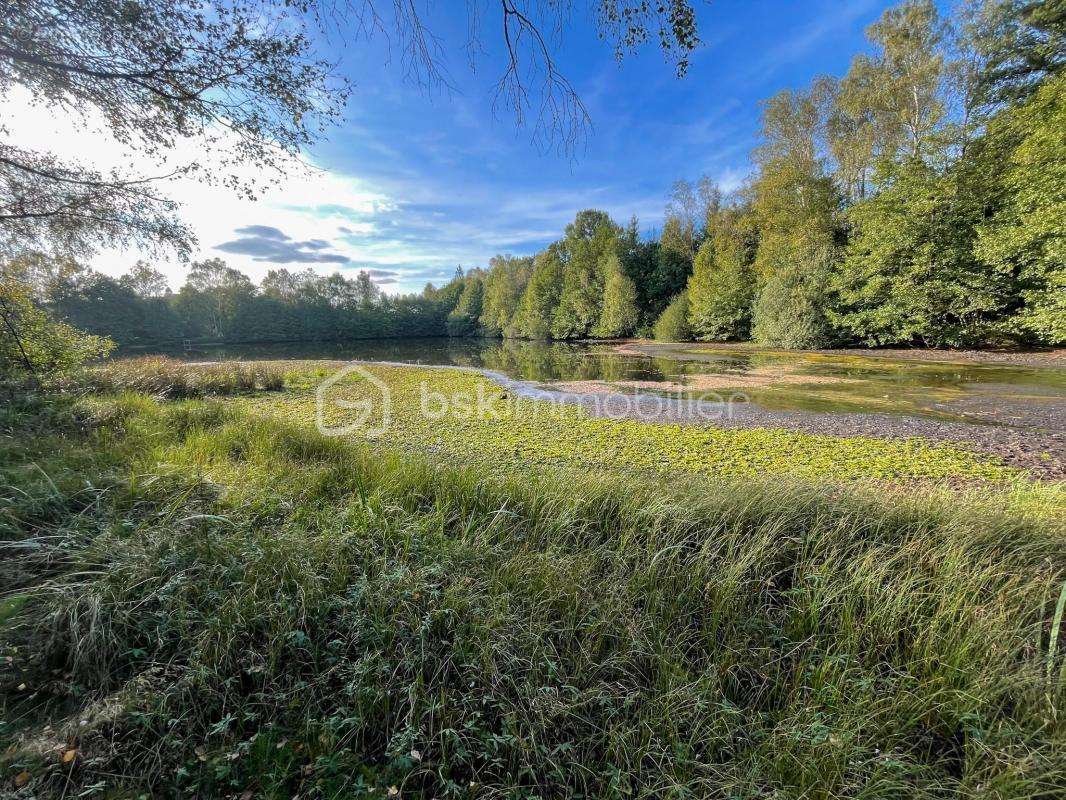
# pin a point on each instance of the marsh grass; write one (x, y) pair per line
(207, 603)
(168, 378)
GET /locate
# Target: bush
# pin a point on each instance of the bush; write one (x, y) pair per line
(789, 312)
(672, 325)
(34, 347)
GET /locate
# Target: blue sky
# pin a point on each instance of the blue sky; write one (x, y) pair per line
(467, 184)
(412, 184)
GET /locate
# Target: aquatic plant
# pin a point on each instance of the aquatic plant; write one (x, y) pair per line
(486, 425)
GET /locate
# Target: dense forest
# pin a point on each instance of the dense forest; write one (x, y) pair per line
(220, 304)
(917, 200)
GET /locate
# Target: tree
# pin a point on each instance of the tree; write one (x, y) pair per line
(618, 316)
(640, 260)
(108, 307)
(212, 295)
(290, 287)
(541, 297)
(672, 324)
(155, 72)
(35, 347)
(463, 320)
(795, 205)
(365, 292)
(721, 289)
(590, 238)
(693, 206)
(910, 275)
(907, 77)
(1021, 44)
(790, 309)
(504, 284)
(674, 264)
(1023, 237)
(144, 281)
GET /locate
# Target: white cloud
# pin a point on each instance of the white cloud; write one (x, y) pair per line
(292, 203)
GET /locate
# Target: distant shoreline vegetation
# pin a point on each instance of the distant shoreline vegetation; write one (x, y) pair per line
(917, 201)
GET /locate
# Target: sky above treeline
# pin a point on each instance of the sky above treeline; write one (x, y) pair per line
(415, 183)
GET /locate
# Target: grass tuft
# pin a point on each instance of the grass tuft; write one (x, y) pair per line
(167, 378)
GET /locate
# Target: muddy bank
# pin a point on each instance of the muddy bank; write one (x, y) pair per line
(1041, 451)
(1055, 358)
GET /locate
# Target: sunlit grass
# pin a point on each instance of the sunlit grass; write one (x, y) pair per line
(233, 604)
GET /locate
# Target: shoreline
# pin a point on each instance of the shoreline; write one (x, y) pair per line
(1054, 358)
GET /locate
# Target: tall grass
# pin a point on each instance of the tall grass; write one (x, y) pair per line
(205, 604)
(168, 378)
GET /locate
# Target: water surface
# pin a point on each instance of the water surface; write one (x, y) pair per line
(780, 381)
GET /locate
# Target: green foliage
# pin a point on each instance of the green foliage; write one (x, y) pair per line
(240, 605)
(910, 275)
(917, 200)
(789, 310)
(1021, 43)
(618, 316)
(795, 206)
(465, 317)
(589, 240)
(504, 282)
(672, 325)
(722, 287)
(534, 318)
(34, 346)
(1026, 148)
(219, 304)
(640, 261)
(673, 264)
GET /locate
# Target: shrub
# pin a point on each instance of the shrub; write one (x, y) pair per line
(672, 325)
(34, 347)
(789, 311)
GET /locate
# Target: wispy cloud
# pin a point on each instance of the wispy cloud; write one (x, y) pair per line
(831, 20)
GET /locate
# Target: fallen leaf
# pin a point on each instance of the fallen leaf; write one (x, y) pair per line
(70, 755)
(22, 779)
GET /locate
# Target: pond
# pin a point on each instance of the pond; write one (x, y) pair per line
(1023, 396)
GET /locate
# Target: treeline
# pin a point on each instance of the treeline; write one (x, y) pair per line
(920, 199)
(220, 304)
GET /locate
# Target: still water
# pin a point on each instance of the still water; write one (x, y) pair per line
(989, 393)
